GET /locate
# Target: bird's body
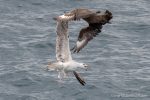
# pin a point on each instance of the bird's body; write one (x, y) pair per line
(68, 66)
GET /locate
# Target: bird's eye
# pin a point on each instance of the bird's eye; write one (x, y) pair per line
(85, 65)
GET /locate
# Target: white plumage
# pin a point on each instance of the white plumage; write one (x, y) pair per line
(64, 62)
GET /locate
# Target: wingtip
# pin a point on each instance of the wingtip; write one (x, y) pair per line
(75, 49)
(80, 79)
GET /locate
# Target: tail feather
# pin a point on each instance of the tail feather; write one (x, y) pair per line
(51, 66)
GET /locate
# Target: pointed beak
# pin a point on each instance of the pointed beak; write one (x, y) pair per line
(86, 67)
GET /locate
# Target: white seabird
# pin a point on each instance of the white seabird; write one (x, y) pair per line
(64, 62)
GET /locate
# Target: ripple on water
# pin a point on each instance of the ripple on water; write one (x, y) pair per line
(5, 96)
(119, 65)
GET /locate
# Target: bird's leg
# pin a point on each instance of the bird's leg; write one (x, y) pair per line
(62, 74)
(65, 74)
(59, 75)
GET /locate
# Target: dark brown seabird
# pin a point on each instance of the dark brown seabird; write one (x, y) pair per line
(95, 19)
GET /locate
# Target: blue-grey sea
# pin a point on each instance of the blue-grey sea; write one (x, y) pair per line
(118, 58)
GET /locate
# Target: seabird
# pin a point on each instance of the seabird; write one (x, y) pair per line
(95, 19)
(64, 62)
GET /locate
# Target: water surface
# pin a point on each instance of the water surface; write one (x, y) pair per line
(119, 57)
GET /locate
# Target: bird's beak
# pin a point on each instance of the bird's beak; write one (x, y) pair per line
(86, 67)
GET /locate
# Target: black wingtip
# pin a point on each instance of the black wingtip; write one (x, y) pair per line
(75, 50)
(80, 80)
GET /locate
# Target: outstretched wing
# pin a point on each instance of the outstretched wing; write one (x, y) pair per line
(95, 25)
(79, 78)
(76, 14)
(62, 42)
(85, 35)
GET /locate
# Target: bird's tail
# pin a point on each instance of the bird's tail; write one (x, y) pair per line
(79, 78)
(51, 66)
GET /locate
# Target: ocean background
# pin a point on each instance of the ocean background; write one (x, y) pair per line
(119, 57)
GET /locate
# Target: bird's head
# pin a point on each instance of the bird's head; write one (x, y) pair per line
(108, 15)
(84, 66)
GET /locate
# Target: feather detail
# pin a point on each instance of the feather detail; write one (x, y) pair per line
(79, 78)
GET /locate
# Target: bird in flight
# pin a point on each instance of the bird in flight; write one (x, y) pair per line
(64, 62)
(95, 20)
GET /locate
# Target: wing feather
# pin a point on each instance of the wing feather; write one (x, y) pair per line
(85, 35)
(79, 78)
(62, 42)
(76, 14)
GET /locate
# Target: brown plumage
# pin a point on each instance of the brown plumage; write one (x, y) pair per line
(76, 14)
(95, 21)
